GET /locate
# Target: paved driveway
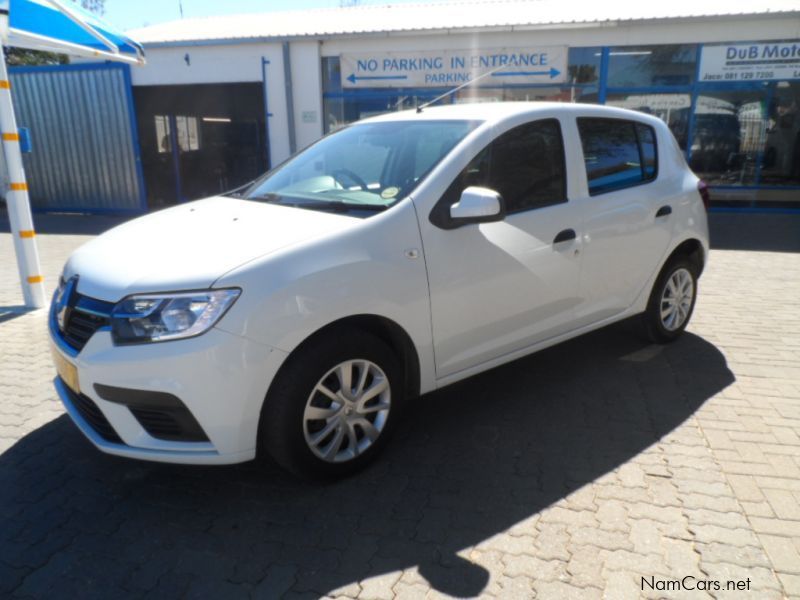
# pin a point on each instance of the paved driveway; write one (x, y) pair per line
(593, 469)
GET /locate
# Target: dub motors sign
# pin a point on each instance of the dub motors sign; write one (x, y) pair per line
(750, 62)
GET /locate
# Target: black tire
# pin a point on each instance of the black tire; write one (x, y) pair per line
(653, 328)
(281, 430)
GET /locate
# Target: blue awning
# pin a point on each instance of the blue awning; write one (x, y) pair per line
(61, 26)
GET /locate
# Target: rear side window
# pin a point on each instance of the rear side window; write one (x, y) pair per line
(525, 165)
(618, 153)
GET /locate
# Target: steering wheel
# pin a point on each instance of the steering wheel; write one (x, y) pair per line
(352, 176)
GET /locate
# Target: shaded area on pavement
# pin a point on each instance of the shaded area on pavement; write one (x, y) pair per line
(67, 223)
(760, 232)
(12, 312)
(469, 461)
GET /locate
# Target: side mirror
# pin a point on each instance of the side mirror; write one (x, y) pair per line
(478, 205)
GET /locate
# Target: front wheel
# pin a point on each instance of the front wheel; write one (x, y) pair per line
(333, 405)
(671, 302)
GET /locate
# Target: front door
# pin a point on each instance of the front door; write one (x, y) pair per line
(499, 287)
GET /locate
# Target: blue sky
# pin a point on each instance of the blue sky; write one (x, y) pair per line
(125, 14)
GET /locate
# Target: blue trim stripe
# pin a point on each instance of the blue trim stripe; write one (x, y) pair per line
(754, 210)
(98, 66)
(603, 91)
(137, 149)
(754, 187)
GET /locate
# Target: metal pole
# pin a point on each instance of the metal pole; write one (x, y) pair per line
(19, 208)
(267, 114)
(287, 81)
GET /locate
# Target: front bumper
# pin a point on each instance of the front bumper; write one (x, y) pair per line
(220, 378)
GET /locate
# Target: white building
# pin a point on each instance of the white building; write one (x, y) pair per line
(244, 92)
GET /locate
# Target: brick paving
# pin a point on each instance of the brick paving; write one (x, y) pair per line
(573, 473)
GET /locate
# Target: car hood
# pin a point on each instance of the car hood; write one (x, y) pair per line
(190, 246)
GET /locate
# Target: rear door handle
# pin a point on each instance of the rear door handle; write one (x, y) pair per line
(564, 236)
(664, 211)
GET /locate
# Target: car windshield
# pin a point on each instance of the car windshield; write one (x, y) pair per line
(368, 166)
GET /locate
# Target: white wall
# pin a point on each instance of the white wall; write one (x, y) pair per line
(307, 92)
(278, 123)
(207, 64)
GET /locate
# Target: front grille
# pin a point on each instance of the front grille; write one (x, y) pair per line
(82, 315)
(93, 416)
(80, 326)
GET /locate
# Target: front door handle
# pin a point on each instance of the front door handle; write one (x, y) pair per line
(564, 236)
(664, 211)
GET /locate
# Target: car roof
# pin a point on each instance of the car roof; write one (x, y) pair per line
(495, 112)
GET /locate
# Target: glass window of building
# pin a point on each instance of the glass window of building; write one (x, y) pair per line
(550, 93)
(350, 106)
(584, 65)
(781, 159)
(730, 133)
(673, 109)
(188, 138)
(163, 134)
(331, 74)
(647, 66)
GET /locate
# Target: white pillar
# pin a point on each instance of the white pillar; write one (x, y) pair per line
(19, 208)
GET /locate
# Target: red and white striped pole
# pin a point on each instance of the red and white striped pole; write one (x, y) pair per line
(17, 200)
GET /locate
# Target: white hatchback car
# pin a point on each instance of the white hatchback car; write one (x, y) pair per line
(391, 258)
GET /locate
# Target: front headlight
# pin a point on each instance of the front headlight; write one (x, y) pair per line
(161, 317)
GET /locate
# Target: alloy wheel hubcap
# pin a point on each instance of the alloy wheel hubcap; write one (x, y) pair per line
(676, 299)
(347, 410)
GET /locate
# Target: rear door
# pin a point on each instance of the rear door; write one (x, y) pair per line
(627, 214)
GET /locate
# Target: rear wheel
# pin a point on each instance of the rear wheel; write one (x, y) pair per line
(671, 302)
(333, 406)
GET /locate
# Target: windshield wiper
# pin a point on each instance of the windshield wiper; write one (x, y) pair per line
(334, 205)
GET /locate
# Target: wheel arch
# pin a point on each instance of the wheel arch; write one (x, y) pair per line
(389, 331)
(690, 248)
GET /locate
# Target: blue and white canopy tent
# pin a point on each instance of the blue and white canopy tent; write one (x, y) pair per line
(51, 26)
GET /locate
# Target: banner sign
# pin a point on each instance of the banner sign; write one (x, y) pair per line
(451, 68)
(750, 62)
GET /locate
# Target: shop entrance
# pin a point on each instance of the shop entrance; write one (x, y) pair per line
(200, 140)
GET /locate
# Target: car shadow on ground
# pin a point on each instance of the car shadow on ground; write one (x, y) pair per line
(469, 462)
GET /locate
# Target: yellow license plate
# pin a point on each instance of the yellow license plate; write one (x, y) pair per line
(66, 370)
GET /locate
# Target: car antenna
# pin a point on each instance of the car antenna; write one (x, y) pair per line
(455, 89)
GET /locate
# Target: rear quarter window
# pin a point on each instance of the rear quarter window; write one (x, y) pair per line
(618, 153)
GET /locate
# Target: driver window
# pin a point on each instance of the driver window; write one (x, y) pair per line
(525, 165)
